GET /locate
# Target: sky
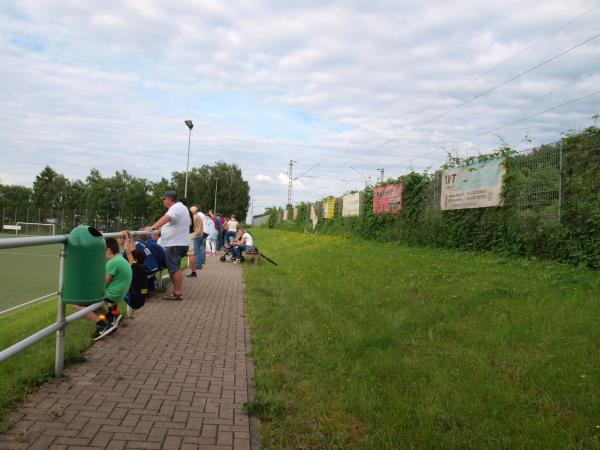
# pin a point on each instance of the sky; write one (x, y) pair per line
(343, 88)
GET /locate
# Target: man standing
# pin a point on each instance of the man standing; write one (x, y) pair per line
(194, 261)
(199, 242)
(175, 230)
(206, 226)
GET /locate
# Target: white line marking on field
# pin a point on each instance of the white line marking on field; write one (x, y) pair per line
(2, 252)
(45, 298)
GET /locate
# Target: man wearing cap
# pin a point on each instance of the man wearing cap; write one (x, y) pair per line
(174, 230)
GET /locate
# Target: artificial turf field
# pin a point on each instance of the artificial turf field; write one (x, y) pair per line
(27, 273)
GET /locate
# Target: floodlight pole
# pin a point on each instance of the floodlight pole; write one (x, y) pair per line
(216, 187)
(190, 125)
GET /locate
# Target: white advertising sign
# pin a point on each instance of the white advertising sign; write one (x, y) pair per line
(351, 205)
(313, 216)
(474, 186)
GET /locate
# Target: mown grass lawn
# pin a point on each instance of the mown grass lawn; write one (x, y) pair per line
(367, 345)
(29, 369)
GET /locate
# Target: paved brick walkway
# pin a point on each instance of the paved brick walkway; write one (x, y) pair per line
(175, 378)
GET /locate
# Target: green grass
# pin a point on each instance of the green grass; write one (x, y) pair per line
(27, 273)
(29, 369)
(368, 345)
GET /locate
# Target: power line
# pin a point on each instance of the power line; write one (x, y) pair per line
(306, 171)
(520, 52)
(515, 122)
(532, 116)
(492, 89)
(488, 91)
(523, 119)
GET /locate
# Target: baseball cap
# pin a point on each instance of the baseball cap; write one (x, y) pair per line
(170, 194)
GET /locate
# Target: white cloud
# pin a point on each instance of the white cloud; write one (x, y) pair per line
(108, 85)
(264, 178)
(283, 179)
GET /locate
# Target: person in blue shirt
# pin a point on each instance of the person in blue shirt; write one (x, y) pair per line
(158, 252)
(154, 263)
(150, 262)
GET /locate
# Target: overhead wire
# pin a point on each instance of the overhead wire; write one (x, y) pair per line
(492, 89)
(523, 119)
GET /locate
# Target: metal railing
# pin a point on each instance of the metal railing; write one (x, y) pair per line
(62, 320)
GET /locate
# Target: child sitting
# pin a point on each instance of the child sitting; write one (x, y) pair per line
(118, 280)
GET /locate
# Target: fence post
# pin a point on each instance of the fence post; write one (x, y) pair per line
(560, 178)
(59, 361)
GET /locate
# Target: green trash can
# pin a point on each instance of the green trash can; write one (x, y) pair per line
(85, 267)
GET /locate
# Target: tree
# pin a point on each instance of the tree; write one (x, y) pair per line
(11, 196)
(49, 189)
(233, 192)
(155, 205)
(97, 200)
(75, 196)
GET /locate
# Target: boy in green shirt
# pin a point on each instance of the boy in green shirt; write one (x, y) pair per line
(118, 280)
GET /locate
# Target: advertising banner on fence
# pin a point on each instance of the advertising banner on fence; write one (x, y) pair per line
(313, 216)
(257, 221)
(473, 186)
(351, 205)
(388, 199)
(329, 208)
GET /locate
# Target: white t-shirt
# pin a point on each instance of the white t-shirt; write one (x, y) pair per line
(232, 225)
(248, 238)
(205, 221)
(177, 231)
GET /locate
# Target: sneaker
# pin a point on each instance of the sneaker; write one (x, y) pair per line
(101, 330)
(192, 275)
(237, 261)
(113, 318)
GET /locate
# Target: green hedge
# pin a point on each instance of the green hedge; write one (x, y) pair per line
(551, 207)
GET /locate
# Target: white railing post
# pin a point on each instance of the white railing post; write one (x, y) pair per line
(59, 362)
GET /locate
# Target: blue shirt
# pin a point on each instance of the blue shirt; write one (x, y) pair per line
(158, 252)
(150, 261)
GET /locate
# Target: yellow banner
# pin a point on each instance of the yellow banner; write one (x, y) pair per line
(329, 208)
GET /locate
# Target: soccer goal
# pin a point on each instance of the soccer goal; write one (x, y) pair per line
(35, 229)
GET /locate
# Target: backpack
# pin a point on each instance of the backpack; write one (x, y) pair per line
(139, 286)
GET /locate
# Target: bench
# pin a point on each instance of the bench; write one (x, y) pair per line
(252, 257)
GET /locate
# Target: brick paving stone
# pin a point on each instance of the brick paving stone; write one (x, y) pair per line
(176, 376)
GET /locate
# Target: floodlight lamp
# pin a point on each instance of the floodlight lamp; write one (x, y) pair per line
(189, 124)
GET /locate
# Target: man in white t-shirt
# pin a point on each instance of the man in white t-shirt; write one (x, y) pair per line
(174, 230)
(244, 244)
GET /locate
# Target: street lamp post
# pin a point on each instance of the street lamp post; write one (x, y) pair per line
(190, 125)
(216, 187)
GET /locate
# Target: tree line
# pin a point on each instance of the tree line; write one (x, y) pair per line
(125, 195)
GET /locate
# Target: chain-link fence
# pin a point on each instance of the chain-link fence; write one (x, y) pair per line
(551, 208)
(542, 181)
